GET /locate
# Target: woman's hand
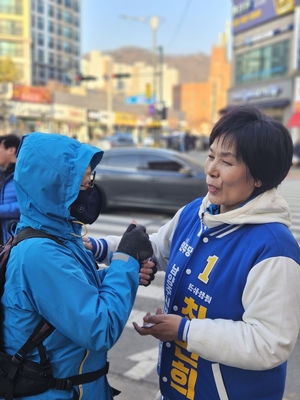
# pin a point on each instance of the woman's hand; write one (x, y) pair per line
(165, 326)
(87, 244)
(147, 272)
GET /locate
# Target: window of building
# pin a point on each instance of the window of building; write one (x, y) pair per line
(58, 14)
(50, 10)
(67, 47)
(67, 17)
(41, 56)
(40, 23)
(8, 27)
(50, 42)
(32, 20)
(51, 73)
(58, 45)
(40, 6)
(41, 72)
(50, 26)
(67, 32)
(76, 6)
(51, 58)
(77, 22)
(58, 30)
(32, 5)
(67, 63)
(77, 51)
(77, 36)
(59, 60)
(68, 3)
(11, 7)
(40, 39)
(261, 64)
(12, 49)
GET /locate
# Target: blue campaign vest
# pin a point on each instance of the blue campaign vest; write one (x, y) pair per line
(205, 278)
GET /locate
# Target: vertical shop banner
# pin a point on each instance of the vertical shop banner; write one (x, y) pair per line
(249, 13)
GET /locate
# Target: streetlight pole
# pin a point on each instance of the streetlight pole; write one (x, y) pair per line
(154, 23)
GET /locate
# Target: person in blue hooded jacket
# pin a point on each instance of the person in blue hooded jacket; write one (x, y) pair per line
(88, 307)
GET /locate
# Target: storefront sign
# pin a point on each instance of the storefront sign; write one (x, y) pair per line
(66, 113)
(122, 118)
(31, 94)
(98, 116)
(253, 94)
(29, 110)
(249, 13)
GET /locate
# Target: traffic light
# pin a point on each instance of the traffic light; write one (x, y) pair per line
(125, 75)
(80, 77)
(164, 113)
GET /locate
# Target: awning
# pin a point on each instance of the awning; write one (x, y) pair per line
(279, 103)
(294, 121)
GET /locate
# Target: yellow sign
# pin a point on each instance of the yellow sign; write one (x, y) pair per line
(122, 118)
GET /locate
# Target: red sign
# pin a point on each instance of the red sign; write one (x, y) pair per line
(31, 94)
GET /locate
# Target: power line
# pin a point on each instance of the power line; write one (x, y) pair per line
(187, 6)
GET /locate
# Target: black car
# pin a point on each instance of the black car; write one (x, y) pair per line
(149, 178)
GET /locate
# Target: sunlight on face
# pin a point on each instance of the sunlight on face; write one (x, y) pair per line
(229, 181)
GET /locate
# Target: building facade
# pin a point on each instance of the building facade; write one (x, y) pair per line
(266, 58)
(15, 39)
(56, 40)
(202, 101)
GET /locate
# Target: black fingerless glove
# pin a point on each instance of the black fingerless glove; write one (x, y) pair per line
(135, 242)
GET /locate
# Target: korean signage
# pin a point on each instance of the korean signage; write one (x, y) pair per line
(30, 110)
(260, 93)
(248, 13)
(65, 113)
(31, 94)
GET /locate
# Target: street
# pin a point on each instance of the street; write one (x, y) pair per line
(133, 358)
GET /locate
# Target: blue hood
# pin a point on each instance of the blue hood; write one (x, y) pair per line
(48, 175)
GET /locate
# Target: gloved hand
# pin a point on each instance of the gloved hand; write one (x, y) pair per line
(135, 242)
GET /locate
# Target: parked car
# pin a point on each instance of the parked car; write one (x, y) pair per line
(149, 178)
(119, 139)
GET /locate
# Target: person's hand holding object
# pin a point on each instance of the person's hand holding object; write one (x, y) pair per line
(135, 242)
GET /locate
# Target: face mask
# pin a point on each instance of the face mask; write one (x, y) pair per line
(87, 207)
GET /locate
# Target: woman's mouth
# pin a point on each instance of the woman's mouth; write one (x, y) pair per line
(212, 189)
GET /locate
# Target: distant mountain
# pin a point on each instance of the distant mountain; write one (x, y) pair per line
(192, 67)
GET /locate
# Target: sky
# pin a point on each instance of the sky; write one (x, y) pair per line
(184, 26)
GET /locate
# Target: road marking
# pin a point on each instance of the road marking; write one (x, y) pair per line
(146, 363)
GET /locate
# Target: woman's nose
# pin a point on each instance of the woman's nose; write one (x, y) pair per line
(211, 168)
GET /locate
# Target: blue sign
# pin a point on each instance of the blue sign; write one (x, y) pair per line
(140, 99)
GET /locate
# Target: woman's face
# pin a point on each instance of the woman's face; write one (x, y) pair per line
(86, 179)
(228, 180)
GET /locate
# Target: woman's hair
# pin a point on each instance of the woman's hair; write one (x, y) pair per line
(262, 143)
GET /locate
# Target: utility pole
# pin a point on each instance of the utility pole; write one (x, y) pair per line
(154, 23)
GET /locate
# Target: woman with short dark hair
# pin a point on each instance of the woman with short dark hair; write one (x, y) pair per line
(232, 289)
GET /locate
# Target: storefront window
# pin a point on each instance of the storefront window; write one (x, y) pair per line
(262, 64)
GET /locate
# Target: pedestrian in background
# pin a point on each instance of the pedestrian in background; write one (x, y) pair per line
(60, 282)
(232, 300)
(9, 208)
